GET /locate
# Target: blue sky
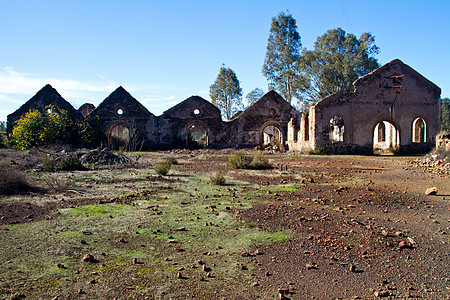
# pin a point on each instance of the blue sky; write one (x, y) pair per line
(163, 52)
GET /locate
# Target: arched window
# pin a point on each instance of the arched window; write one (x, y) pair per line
(337, 129)
(419, 131)
(385, 136)
(271, 135)
(197, 136)
(118, 136)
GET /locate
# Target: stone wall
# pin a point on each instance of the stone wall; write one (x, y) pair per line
(393, 107)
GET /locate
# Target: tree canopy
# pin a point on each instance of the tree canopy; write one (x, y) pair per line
(283, 51)
(254, 96)
(226, 92)
(338, 59)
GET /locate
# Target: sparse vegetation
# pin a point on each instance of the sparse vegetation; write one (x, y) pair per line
(163, 167)
(70, 163)
(259, 161)
(48, 163)
(55, 183)
(12, 180)
(218, 178)
(239, 160)
(194, 237)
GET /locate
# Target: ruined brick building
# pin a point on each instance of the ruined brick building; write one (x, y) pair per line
(392, 107)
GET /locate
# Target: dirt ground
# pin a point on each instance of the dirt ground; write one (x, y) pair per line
(359, 227)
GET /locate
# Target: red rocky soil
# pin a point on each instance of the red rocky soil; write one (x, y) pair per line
(382, 238)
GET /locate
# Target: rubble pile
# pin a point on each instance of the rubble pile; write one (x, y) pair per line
(437, 162)
(104, 157)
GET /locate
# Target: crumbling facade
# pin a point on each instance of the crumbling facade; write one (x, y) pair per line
(391, 108)
(42, 101)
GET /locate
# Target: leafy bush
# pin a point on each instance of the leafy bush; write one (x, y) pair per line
(70, 163)
(163, 167)
(259, 161)
(48, 163)
(218, 178)
(38, 129)
(239, 160)
(90, 132)
(12, 181)
(173, 160)
(55, 125)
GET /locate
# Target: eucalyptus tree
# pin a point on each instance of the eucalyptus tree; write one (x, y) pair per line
(254, 96)
(226, 92)
(283, 51)
(338, 59)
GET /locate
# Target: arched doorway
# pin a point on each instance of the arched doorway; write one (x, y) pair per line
(337, 129)
(118, 136)
(419, 132)
(271, 135)
(197, 136)
(386, 138)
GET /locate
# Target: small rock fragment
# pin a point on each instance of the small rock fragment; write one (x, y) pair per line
(89, 258)
(402, 244)
(352, 268)
(431, 191)
(311, 266)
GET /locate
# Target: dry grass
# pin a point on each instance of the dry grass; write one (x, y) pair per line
(12, 180)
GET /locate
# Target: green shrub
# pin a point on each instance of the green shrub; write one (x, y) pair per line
(48, 163)
(239, 160)
(319, 150)
(69, 163)
(218, 178)
(172, 160)
(36, 129)
(259, 161)
(12, 181)
(163, 167)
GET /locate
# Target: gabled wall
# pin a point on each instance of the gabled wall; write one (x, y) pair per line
(173, 124)
(44, 97)
(269, 111)
(393, 93)
(119, 111)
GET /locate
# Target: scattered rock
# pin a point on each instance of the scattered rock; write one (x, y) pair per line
(431, 191)
(402, 244)
(311, 266)
(381, 294)
(89, 258)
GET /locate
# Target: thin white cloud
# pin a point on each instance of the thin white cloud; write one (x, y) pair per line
(17, 87)
(14, 82)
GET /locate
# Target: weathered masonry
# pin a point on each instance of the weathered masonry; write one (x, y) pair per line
(392, 107)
